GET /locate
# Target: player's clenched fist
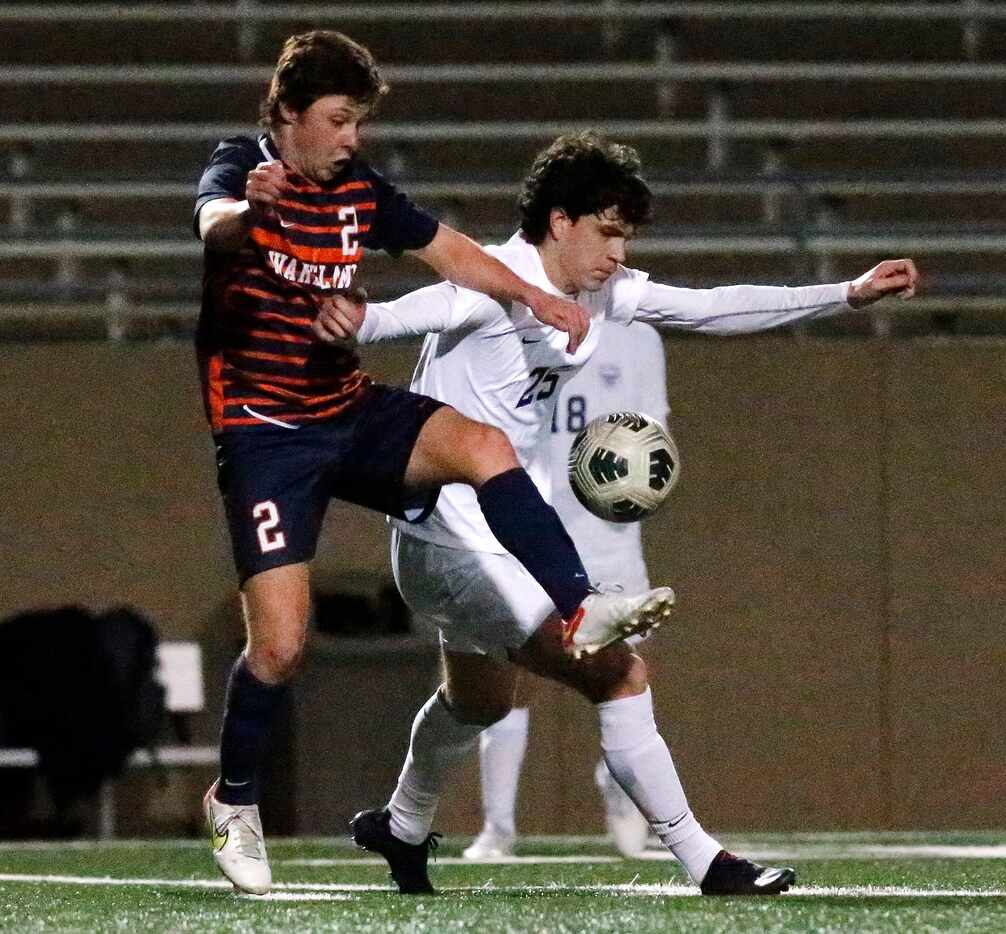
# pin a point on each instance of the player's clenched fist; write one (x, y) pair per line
(265, 186)
(340, 316)
(891, 277)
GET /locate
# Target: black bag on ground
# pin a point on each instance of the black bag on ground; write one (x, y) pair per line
(80, 689)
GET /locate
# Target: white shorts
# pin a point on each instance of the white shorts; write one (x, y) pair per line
(482, 603)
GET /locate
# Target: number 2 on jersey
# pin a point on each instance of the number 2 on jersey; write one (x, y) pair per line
(349, 227)
(268, 515)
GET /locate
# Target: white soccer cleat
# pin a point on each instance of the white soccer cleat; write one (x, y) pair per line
(605, 617)
(490, 844)
(628, 828)
(238, 843)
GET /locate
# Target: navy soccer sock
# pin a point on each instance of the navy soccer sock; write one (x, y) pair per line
(248, 714)
(530, 530)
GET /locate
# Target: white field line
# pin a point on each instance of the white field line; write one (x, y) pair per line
(299, 891)
(812, 851)
(301, 897)
(931, 851)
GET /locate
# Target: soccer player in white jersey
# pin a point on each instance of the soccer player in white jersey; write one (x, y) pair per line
(627, 373)
(581, 204)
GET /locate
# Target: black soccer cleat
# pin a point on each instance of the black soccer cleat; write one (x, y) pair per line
(371, 831)
(731, 875)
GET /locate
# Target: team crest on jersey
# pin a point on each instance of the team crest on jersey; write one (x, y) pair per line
(610, 373)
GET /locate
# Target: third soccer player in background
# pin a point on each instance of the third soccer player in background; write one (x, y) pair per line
(610, 551)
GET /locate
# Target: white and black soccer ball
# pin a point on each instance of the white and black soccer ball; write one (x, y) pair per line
(622, 466)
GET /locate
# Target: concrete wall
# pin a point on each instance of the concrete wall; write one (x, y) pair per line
(837, 545)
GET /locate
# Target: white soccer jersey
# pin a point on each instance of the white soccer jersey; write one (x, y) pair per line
(499, 365)
(626, 373)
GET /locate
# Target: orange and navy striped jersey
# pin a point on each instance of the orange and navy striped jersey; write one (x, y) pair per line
(256, 349)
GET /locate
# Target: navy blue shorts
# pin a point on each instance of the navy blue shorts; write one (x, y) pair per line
(277, 481)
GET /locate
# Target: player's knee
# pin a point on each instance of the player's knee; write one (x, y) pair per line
(635, 676)
(491, 450)
(613, 672)
(275, 663)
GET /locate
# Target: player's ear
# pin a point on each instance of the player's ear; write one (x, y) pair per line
(287, 114)
(558, 223)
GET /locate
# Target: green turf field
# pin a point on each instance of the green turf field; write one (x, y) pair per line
(847, 882)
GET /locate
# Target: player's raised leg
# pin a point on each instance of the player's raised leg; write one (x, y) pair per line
(452, 448)
(276, 607)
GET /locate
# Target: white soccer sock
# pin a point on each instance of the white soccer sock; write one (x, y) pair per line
(501, 754)
(439, 741)
(641, 763)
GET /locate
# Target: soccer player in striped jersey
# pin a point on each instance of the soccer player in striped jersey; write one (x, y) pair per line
(582, 202)
(626, 373)
(285, 219)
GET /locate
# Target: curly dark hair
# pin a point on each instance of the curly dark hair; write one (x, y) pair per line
(317, 63)
(583, 174)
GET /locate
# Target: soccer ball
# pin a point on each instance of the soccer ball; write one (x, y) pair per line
(622, 466)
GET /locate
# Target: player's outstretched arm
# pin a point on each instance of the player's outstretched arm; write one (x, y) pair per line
(461, 260)
(743, 309)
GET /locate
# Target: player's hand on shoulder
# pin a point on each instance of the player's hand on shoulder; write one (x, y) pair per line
(563, 315)
(340, 317)
(891, 277)
(265, 185)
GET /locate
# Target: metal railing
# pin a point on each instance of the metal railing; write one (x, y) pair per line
(492, 73)
(493, 131)
(808, 186)
(700, 241)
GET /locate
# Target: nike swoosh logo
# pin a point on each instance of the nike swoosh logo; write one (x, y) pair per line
(768, 877)
(528, 340)
(284, 223)
(269, 419)
(218, 837)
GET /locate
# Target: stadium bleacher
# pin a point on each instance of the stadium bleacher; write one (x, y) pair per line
(808, 147)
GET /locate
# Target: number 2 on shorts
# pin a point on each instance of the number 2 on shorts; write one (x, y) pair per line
(268, 516)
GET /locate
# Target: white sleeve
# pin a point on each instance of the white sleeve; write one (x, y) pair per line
(440, 307)
(738, 309)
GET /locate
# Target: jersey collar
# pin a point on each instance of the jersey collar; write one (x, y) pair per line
(268, 147)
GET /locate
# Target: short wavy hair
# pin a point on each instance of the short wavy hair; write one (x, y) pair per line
(583, 174)
(315, 64)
